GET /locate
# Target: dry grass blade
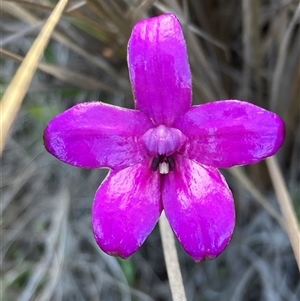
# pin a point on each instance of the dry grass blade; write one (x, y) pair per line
(75, 6)
(28, 17)
(283, 53)
(251, 47)
(74, 78)
(19, 34)
(242, 284)
(246, 182)
(286, 206)
(59, 234)
(137, 12)
(13, 97)
(171, 259)
(201, 33)
(53, 258)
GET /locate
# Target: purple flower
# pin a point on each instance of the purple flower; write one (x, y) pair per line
(165, 153)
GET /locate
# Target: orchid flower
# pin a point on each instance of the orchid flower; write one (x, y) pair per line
(164, 154)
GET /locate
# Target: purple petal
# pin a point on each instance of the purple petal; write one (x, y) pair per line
(199, 207)
(95, 134)
(159, 69)
(231, 132)
(127, 207)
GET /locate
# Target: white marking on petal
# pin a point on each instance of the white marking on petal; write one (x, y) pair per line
(164, 168)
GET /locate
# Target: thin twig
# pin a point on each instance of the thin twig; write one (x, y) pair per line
(171, 258)
(286, 206)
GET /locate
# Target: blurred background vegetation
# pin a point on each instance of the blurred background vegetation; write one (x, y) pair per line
(238, 49)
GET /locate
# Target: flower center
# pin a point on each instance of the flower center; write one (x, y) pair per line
(163, 164)
(161, 143)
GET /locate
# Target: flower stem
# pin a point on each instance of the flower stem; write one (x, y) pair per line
(171, 259)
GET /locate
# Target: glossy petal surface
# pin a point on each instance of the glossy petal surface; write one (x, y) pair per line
(199, 207)
(227, 133)
(159, 69)
(163, 140)
(127, 207)
(94, 135)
